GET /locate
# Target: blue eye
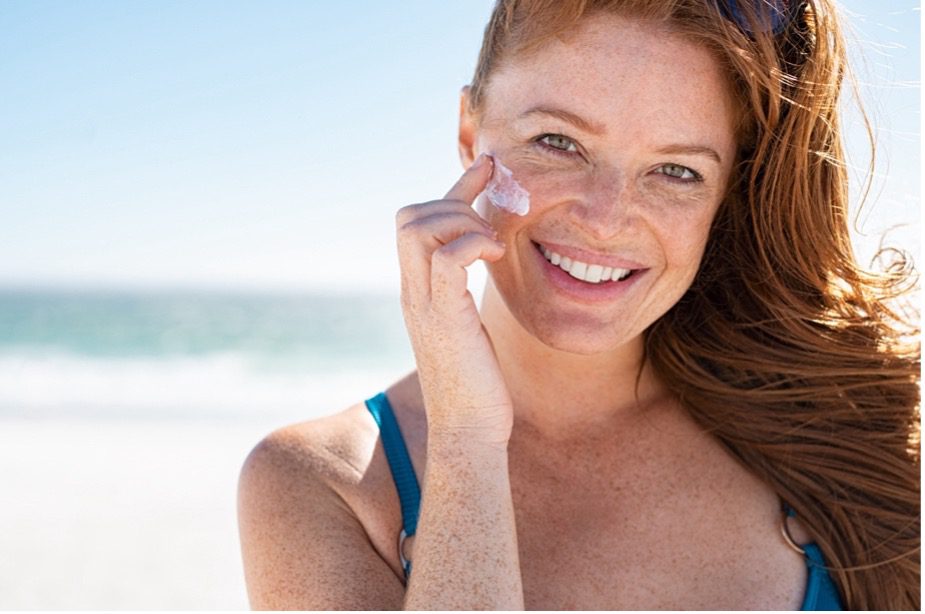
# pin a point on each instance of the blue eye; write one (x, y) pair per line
(557, 144)
(680, 173)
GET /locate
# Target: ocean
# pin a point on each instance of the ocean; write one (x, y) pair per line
(175, 355)
(125, 417)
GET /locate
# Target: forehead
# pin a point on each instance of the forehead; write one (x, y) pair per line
(618, 71)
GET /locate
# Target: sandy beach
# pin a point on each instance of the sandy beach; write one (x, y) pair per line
(141, 515)
(125, 419)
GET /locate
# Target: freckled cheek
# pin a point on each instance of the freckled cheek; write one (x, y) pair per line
(550, 188)
(683, 237)
(545, 190)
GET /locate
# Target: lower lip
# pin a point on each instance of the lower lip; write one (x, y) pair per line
(582, 290)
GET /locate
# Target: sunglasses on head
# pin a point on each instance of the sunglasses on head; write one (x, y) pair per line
(771, 15)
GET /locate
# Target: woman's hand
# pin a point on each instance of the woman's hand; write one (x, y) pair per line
(464, 391)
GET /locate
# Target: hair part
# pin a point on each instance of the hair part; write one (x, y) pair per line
(804, 364)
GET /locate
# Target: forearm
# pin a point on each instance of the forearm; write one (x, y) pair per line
(465, 548)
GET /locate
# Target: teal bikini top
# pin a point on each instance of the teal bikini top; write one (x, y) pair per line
(820, 594)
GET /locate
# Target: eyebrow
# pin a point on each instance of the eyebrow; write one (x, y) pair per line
(566, 116)
(691, 150)
(598, 129)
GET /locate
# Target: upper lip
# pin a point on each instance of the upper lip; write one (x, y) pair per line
(589, 257)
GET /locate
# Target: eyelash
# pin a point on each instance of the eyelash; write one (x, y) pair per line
(568, 154)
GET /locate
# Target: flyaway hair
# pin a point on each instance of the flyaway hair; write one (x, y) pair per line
(802, 362)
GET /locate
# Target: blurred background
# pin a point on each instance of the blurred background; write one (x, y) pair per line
(197, 246)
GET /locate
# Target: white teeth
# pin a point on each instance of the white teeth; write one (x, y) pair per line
(594, 273)
(591, 273)
(578, 270)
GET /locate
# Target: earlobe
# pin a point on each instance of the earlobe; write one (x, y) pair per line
(467, 130)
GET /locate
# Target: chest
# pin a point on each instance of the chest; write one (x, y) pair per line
(666, 533)
(648, 527)
(599, 554)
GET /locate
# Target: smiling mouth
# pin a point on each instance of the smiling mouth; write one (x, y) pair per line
(587, 272)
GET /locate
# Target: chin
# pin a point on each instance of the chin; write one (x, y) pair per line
(577, 335)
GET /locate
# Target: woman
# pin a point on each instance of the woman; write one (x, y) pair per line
(727, 420)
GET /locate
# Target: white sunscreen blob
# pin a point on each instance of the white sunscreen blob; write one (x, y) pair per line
(504, 192)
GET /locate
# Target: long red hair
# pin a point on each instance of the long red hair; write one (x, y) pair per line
(802, 362)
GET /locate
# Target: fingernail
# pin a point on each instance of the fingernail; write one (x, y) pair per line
(479, 161)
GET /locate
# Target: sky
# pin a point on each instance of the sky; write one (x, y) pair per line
(267, 145)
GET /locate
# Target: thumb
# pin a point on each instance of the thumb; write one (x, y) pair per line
(473, 181)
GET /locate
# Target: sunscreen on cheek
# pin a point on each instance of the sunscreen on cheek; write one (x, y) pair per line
(504, 192)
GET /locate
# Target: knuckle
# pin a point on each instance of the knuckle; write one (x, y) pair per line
(406, 214)
(412, 226)
(402, 216)
(442, 254)
(452, 250)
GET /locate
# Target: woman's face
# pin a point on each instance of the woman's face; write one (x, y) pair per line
(639, 180)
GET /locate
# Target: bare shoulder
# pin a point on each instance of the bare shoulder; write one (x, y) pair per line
(344, 449)
(331, 448)
(311, 517)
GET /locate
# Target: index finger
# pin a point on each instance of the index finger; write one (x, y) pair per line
(473, 181)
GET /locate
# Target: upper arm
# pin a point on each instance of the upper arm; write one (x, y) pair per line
(302, 545)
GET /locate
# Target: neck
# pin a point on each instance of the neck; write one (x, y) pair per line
(563, 396)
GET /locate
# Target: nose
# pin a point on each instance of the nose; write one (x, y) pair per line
(607, 207)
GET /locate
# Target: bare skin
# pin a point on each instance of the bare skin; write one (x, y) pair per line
(619, 500)
(589, 539)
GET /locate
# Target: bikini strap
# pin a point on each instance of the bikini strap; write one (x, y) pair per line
(409, 492)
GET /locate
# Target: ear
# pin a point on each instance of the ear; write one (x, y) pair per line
(468, 127)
